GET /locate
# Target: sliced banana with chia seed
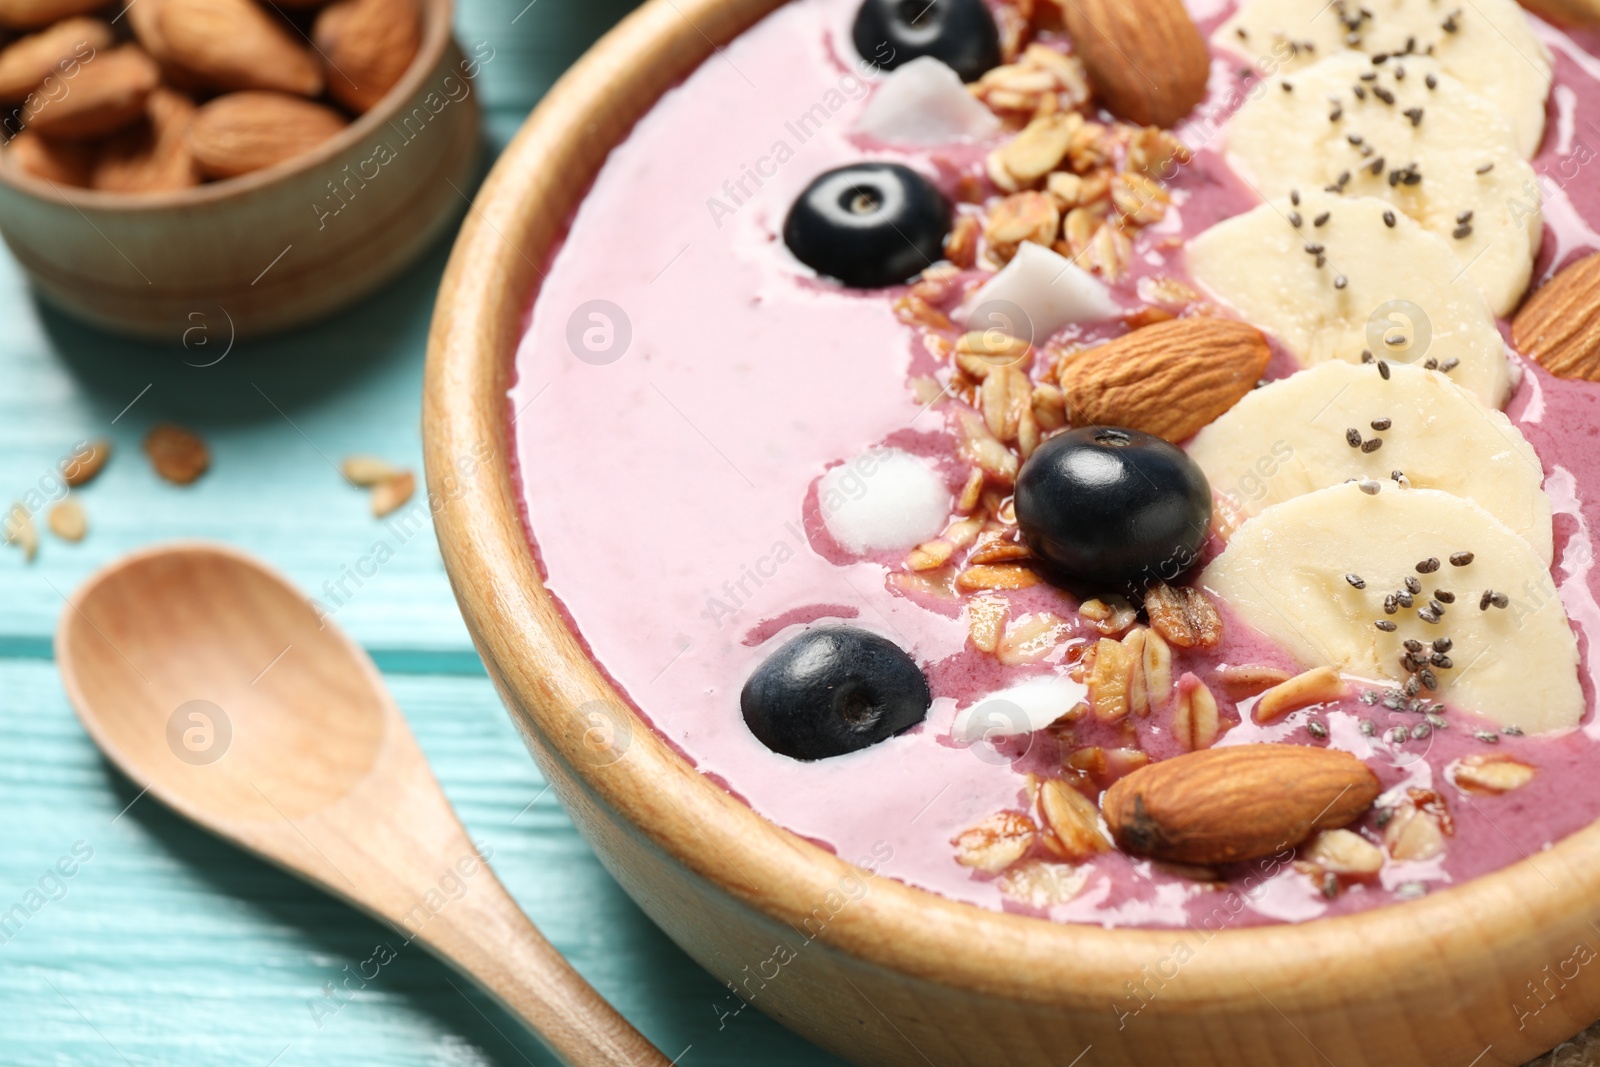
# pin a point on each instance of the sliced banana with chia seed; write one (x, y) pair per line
(1335, 277)
(1337, 421)
(1346, 576)
(1489, 45)
(1424, 142)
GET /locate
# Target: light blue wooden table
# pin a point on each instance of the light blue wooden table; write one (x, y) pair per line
(166, 946)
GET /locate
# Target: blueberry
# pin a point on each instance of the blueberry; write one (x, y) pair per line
(833, 690)
(869, 225)
(961, 33)
(1113, 507)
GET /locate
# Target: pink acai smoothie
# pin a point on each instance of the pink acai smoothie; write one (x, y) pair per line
(670, 483)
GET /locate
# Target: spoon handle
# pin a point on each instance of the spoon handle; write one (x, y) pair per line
(487, 936)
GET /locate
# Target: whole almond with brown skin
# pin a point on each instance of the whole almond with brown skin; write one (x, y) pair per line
(1559, 326)
(1580, 13)
(234, 44)
(106, 94)
(1170, 379)
(153, 156)
(27, 62)
(1145, 58)
(61, 162)
(32, 14)
(244, 132)
(366, 46)
(1243, 802)
(144, 17)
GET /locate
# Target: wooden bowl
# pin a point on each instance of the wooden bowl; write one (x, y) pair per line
(1492, 972)
(268, 250)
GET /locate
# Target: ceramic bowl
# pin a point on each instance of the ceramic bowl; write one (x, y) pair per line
(273, 249)
(1492, 972)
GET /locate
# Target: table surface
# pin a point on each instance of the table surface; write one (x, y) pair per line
(168, 946)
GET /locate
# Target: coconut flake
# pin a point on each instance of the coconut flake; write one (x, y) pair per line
(1048, 290)
(924, 102)
(883, 500)
(1021, 709)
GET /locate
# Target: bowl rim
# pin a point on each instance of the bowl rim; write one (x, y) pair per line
(1406, 953)
(437, 34)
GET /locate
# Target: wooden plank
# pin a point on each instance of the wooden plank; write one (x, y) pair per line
(175, 948)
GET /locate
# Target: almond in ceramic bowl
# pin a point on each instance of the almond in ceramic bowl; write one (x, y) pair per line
(592, 496)
(229, 163)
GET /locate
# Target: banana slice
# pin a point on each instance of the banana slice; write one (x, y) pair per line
(1489, 45)
(1295, 436)
(1401, 284)
(1442, 155)
(1313, 574)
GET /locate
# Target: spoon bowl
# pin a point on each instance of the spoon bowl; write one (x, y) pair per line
(217, 687)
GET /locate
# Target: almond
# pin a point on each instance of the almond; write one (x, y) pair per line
(108, 93)
(1146, 59)
(1559, 326)
(391, 494)
(1241, 802)
(367, 471)
(62, 162)
(27, 62)
(68, 521)
(1170, 379)
(233, 44)
(153, 156)
(1581, 13)
(244, 132)
(366, 46)
(86, 461)
(178, 455)
(20, 531)
(32, 14)
(1183, 615)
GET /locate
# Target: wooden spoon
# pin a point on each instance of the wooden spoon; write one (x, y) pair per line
(215, 685)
